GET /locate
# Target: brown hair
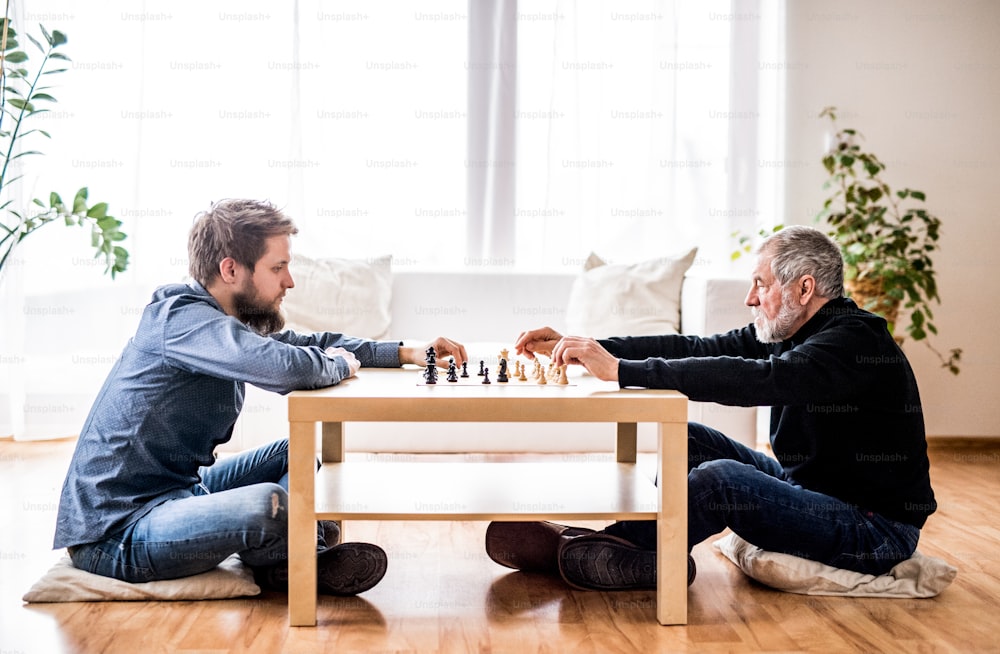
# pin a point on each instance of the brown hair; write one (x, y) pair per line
(233, 228)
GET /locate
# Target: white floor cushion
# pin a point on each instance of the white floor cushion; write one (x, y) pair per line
(918, 576)
(65, 583)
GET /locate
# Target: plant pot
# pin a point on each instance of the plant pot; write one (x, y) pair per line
(867, 294)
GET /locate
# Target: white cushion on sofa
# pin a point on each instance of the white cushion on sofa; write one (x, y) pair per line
(350, 296)
(638, 299)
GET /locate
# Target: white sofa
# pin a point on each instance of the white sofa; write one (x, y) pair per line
(486, 311)
(61, 346)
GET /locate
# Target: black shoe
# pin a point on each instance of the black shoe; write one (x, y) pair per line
(603, 562)
(327, 534)
(346, 569)
(350, 568)
(529, 546)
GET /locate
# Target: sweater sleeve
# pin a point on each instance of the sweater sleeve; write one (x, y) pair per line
(826, 367)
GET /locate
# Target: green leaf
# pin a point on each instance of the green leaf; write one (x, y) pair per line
(54, 200)
(35, 41)
(58, 38)
(919, 195)
(24, 154)
(108, 223)
(99, 210)
(43, 96)
(16, 57)
(80, 201)
(21, 104)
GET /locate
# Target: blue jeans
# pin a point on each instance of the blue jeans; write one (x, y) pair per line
(732, 485)
(240, 507)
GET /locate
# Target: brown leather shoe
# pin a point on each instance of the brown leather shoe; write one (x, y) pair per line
(529, 546)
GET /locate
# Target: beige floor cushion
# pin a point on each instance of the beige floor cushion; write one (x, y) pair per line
(65, 583)
(918, 576)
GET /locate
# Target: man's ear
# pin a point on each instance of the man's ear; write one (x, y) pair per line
(227, 270)
(806, 288)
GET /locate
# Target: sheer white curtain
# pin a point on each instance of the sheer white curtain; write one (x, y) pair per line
(626, 118)
(448, 133)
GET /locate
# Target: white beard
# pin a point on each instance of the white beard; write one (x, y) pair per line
(776, 330)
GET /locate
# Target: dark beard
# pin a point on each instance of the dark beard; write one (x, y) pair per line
(251, 312)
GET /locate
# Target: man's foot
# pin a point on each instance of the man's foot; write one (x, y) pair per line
(529, 546)
(327, 534)
(350, 568)
(603, 562)
(345, 569)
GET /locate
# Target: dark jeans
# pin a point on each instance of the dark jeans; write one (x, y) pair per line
(732, 485)
(241, 507)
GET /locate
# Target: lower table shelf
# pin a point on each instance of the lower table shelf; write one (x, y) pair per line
(560, 491)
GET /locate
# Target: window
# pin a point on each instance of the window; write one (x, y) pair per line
(355, 117)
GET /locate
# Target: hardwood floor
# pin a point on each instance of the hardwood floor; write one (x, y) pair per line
(442, 594)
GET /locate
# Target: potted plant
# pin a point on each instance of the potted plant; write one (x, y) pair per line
(886, 236)
(22, 95)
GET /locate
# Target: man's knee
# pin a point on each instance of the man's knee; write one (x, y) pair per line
(717, 475)
(268, 506)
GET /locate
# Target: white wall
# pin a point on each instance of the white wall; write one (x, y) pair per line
(921, 80)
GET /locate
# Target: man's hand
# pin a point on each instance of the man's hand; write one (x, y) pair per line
(352, 361)
(540, 341)
(588, 353)
(443, 349)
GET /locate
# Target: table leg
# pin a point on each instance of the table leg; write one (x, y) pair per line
(302, 524)
(332, 437)
(671, 525)
(627, 442)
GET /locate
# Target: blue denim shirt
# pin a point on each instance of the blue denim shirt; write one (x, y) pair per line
(173, 396)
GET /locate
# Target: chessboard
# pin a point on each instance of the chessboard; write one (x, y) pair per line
(528, 373)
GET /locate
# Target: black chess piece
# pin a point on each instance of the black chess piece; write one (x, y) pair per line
(482, 371)
(431, 355)
(452, 371)
(486, 376)
(502, 372)
(465, 369)
(431, 374)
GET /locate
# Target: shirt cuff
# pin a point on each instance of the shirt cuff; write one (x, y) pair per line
(387, 354)
(632, 374)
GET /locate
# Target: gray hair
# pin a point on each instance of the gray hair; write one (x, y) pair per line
(799, 250)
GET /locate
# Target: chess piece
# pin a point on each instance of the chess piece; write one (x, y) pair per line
(431, 355)
(482, 371)
(431, 374)
(452, 371)
(562, 375)
(502, 373)
(541, 379)
(524, 374)
(486, 376)
(465, 369)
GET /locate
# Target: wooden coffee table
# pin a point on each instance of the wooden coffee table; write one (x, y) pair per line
(566, 492)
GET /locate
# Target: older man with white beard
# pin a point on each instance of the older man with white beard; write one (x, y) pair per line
(848, 484)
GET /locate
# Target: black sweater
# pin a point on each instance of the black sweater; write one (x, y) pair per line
(846, 418)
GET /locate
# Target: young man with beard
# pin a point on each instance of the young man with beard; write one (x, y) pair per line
(145, 498)
(849, 484)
